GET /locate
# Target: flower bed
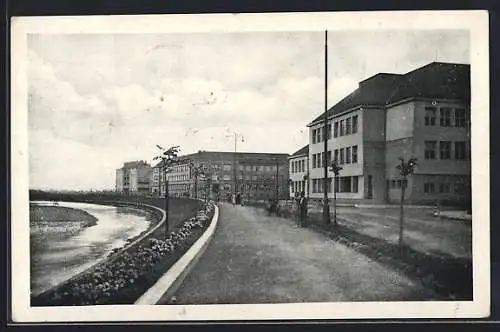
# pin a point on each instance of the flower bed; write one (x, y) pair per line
(125, 276)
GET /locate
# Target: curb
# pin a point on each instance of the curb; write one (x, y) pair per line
(168, 284)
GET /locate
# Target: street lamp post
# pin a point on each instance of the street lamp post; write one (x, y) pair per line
(405, 169)
(335, 169)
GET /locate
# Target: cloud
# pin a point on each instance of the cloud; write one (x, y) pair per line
(91, 111)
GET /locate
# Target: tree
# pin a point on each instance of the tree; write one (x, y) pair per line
(199, 170)
(405, 169)
(168, 158)
(336, 170)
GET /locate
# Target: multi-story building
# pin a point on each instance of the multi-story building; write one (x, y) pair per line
(255, 175)
(299, 171)
(422, 114)
(134, 177)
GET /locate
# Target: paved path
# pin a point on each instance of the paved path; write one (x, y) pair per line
(254, 258)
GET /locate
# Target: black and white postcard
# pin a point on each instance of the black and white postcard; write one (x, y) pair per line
(250, 167)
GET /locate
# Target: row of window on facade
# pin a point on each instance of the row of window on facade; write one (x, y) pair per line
(343, 184)
(448, 117)
(178, 177)
(297, 166)
(298, 186)
(348, 155)
(340, 128)
(433, 184)
(445, 150)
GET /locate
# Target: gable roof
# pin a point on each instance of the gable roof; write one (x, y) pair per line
(302, 151)
(436, 80)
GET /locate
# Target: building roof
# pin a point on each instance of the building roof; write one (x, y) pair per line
(135, 164)
(436, 80)
(302, 151)
(226, 155)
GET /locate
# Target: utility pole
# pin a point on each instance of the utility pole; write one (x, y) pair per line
(326, 207)
(277, 181)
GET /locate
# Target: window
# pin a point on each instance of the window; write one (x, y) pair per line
(444, 150)
(323, 159)
(430, 149)
(348, 155)
(345, 184)
(314, 161)
(354, 154)
(445, 116)
(459, 188)
(329, 131)
(341, 156)
(429, 187)
(444, 188)
(348, 126)
(318, 135)
(336, 184)
(459, 117)
(329, 157)
(303, 165)
(460, 151)
(341, 127)
(354, 184)
(430, 116)
(292, 166)
(355, 125)
(314, 136)
(330, 187)
(336, 156)
(336, 129)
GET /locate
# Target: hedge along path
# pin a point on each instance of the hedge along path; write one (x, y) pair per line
(114, 256)
(172, 279)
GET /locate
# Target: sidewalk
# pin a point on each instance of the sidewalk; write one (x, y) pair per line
(455, 215)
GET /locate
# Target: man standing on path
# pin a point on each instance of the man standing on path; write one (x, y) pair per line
(302, 210)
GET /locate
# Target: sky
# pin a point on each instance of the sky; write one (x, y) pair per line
(98, 100)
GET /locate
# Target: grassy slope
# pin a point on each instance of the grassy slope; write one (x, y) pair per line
(60, 214)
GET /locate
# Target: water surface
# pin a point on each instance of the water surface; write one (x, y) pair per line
(62, 251)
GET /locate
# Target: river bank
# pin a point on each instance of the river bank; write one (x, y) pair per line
(70, 242)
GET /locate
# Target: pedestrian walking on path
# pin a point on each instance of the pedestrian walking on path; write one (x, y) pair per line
(302, 210)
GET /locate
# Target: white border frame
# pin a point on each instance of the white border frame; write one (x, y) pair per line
(476, 22)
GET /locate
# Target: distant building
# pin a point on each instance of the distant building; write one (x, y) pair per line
(256, 176)
(134, 177)
(299, 171)
(424, 114)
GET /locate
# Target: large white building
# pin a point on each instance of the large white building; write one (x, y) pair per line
(422, 114)
(134, 177)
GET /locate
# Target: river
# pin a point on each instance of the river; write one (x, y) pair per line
(62, 257)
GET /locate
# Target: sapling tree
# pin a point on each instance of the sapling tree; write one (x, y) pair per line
(335, 168)
(405, 169)
(168, 158)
